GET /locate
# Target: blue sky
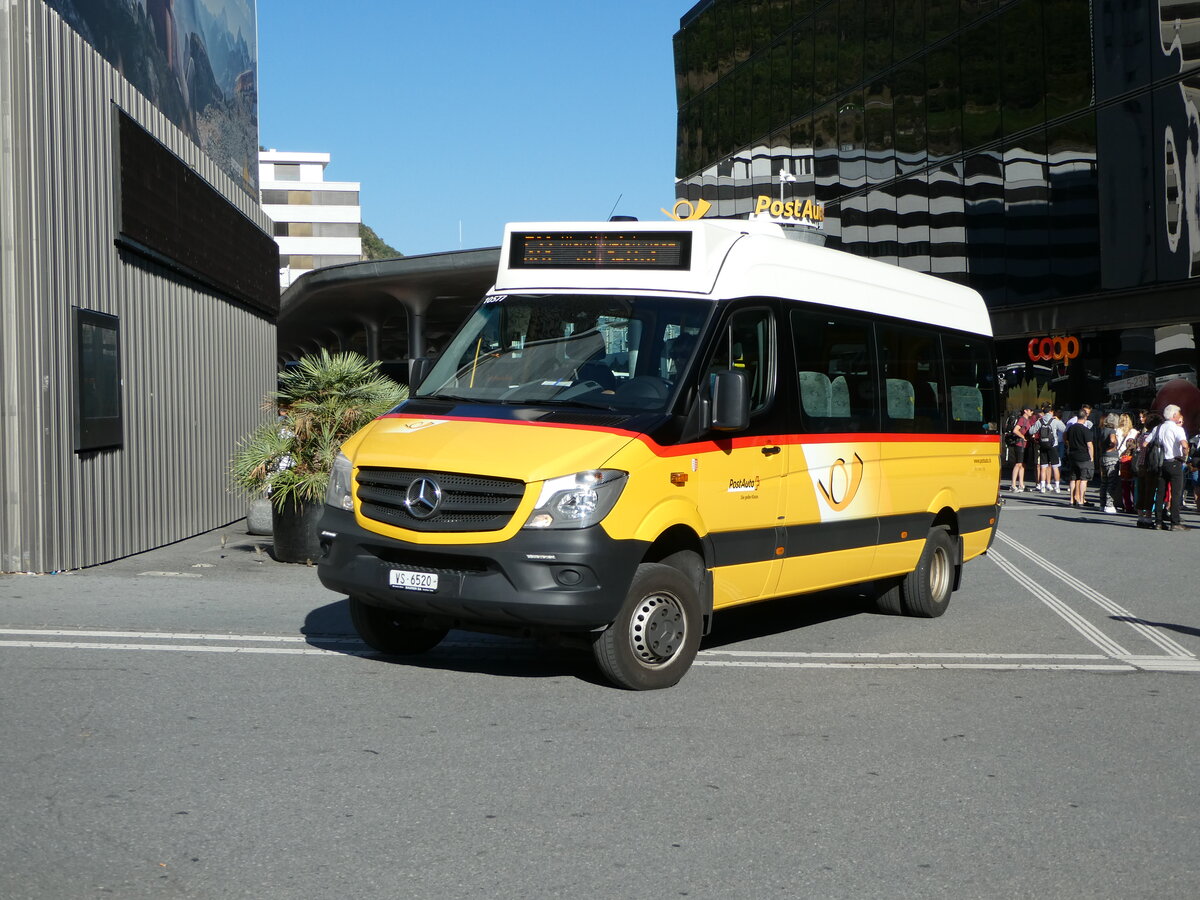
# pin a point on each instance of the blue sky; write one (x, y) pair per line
(471, 114)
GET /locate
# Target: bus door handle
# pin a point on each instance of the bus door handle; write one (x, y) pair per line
(770, 451)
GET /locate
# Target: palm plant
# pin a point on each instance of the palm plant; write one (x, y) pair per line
(321, 401)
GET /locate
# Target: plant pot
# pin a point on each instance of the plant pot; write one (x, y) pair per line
(258, 516)
(296, 534)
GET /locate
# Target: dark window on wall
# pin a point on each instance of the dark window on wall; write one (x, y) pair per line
(850, 44)
(802, 71)
(825, 44)
(981, 85)
(943, 114)
(877, 44)
(910, 28)
(914, 393)
(738, 13)
(908, 86)
(941, 19)
(1128, 195)
(912, 222)
(880, 137)
(971, 384)
(1128, 37)
(1069, 49)
(97, 381)
(287, 172)
(835, 372)
(1026, 219)
(852, 165)
(167, 213)
(1024, 80)
(760, 95)
(973, 9)
(723, 25)
(781, 82)
(825, 153)
(1074, 206)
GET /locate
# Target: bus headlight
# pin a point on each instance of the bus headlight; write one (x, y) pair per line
(577, 501)
(340, 494)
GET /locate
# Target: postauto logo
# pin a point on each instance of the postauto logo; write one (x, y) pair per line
(687, 211)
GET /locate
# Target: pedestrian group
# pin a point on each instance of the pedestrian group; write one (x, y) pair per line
(1143, 466)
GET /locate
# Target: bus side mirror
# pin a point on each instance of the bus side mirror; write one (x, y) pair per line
(418, 368)
(730, 403)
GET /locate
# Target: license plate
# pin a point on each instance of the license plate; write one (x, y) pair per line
(413, 581)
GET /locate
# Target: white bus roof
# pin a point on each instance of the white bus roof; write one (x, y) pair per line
(724, 259)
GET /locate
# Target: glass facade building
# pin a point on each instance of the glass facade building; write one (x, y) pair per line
(1044, 152)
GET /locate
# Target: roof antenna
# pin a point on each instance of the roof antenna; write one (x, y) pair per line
(614, 209)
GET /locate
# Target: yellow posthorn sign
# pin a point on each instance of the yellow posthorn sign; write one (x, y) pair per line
(685, 211)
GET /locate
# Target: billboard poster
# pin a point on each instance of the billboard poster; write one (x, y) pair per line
(196, 60)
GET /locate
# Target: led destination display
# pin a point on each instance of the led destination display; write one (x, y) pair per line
(601, 250)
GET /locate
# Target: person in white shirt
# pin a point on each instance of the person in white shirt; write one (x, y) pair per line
(1173, 438)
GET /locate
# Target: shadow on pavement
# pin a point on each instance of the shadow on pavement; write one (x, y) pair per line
(328, 627)
(731, 626)
(1181, 629)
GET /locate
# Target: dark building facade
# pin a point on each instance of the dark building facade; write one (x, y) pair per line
(1044, 152)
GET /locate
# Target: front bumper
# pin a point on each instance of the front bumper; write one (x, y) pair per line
(558, 580)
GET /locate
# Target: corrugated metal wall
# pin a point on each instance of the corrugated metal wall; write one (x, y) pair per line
(194, 365)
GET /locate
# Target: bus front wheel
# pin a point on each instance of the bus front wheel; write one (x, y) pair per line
(392, 633)
(656, 635)
(925, 592)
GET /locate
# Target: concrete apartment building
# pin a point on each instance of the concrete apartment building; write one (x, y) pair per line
(316, 221)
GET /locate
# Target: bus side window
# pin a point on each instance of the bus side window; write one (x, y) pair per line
(916, 397)
(835, 374)
(970, 374)
(746, 346)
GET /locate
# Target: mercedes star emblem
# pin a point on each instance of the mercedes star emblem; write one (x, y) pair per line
(423, 498)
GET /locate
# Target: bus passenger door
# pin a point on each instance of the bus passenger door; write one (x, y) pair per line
(831, 513)
(741, 474)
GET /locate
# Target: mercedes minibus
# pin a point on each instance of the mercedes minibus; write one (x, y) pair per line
(644, 423)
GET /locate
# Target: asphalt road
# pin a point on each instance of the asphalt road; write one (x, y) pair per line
(199, 721)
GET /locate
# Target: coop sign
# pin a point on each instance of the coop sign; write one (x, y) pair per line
(1062, 349)
(790, 212)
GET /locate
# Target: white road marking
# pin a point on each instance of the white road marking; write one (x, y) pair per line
(1110, 647)
(187, 642)
(1169, 645)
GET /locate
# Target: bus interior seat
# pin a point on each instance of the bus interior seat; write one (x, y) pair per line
(901, 400)
(815, 394)
(966, 403)
(839, 398)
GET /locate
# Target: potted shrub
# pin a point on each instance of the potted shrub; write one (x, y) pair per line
(321, 401)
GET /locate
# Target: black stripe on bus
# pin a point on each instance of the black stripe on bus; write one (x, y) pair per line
(732, 548)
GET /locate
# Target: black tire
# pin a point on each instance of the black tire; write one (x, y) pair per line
(654, 638)
(392, 633)
(887, 598)
(925, 592)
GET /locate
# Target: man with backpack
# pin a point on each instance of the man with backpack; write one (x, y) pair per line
(1045, 439)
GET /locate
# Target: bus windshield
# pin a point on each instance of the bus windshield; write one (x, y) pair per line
(586, 350)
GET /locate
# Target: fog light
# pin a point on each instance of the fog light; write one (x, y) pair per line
(568, 577)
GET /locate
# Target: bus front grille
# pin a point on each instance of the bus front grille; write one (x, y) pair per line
(437, 501)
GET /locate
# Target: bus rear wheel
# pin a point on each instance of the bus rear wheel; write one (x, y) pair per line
(925, 592)
(656, 635)
(392, 633)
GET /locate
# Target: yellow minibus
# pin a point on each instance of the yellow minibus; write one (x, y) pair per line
(644, 423)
